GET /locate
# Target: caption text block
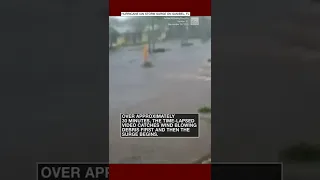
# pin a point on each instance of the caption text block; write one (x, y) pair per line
(159, 125)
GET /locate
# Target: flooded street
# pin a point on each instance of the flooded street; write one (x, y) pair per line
(131, 84)
(171, 86)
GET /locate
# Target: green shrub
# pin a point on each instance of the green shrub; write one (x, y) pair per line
(204, 109)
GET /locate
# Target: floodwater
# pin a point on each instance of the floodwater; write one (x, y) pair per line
(171, 86)
(131, 84)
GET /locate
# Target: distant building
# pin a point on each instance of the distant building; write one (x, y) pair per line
(126, 35)
(159, 32)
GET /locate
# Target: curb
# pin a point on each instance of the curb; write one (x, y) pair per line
(206, 159)
(203, 160)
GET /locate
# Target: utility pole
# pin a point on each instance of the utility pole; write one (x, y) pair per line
(153, 34)
(185, 35)
(187, 31)
(149, 36)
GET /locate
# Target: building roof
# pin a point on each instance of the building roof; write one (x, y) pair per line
(124, 29)
(149, 28)
(128, 29)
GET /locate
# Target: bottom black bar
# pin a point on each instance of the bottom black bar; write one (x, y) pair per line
(73, 171)
(246, 171)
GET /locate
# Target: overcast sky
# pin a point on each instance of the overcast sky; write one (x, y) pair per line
(120, 17)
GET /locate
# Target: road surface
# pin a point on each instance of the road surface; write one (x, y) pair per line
(126, 74)
(171, 86)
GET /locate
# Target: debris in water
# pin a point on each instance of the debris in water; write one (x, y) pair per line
(131, 160)
(147, 64)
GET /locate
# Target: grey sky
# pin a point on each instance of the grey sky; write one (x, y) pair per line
(120, 17)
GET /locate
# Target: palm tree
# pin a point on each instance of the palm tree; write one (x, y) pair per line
(113, 35)
(153, 35)
(146, 23)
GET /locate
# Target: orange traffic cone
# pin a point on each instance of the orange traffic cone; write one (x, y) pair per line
(145, 53)
(146, 62)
